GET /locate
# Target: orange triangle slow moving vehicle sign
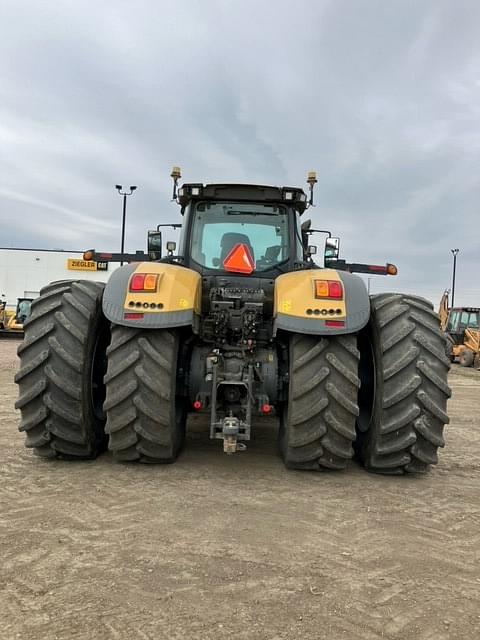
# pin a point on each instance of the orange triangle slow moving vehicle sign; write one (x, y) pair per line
(239, 260)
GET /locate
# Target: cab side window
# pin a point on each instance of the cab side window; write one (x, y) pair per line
(453, 321)
(464, 317)
(473, 322)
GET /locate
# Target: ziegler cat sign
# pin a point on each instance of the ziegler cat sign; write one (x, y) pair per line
(86, 265)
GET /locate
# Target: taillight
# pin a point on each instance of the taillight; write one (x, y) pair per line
(144, 282)
(328, 289)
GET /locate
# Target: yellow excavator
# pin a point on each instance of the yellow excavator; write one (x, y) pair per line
(461, 326)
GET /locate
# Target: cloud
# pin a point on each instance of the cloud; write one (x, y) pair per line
(381, 98)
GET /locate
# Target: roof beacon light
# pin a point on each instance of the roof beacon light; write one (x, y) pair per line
(312, 181)
(175, 175)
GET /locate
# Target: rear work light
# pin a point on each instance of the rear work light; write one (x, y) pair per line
(328, 289)
(144, 282)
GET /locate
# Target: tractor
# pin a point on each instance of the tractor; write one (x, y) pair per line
(236, 323)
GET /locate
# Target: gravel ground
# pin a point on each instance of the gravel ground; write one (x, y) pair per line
(238, 547)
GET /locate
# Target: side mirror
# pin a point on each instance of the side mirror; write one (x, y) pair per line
(305, 227)
(154, 245)
(332, 249)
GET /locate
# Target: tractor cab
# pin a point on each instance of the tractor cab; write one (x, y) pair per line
(241, 230)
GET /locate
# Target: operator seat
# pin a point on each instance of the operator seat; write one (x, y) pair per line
(230, 240)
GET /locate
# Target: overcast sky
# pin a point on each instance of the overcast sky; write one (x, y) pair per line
(381, 97)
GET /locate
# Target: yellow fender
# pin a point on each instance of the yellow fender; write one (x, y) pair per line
(299, 308)
(173, 299)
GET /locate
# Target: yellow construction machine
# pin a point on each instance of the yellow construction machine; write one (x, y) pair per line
(12, 321)
(461, 326)
(236, 322)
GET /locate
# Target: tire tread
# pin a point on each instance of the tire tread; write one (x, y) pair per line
(318, 425)
(412, 387)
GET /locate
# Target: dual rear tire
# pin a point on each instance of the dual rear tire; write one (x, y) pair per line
(387, 400)
(80, 381)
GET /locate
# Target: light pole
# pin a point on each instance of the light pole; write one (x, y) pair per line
(119, 188)
(454, 253)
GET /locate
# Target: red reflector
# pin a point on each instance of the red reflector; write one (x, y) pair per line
(266, 408)
(137, 283)
(335, 289)
(197, 405)
(239, 260)
(334, 323)
(104, 255)
(133, 316)
(377, 268)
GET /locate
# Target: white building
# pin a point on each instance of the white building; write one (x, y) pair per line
(23, 272)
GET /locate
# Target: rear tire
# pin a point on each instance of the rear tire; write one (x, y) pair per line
(449, 348)
(466, 358)
(62, 362)
(404, 389)
(145, 416)
(318, 424)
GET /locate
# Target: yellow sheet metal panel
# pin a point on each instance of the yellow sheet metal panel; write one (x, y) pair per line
(178, 289)
(295, 295)
(81, 265)
(472, 339)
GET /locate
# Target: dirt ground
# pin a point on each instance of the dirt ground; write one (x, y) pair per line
(238, 547)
